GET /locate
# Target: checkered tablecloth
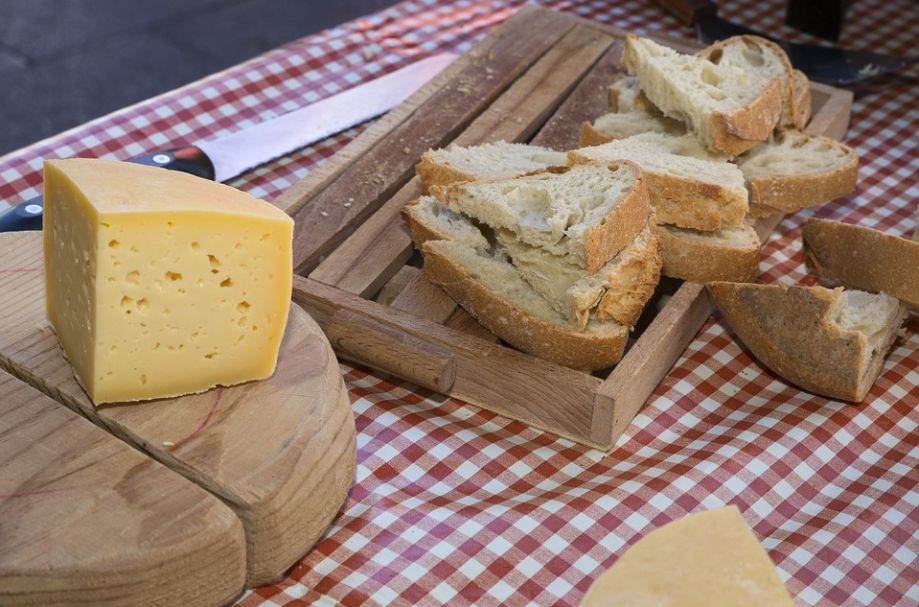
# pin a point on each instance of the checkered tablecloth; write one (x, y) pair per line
(454, 505)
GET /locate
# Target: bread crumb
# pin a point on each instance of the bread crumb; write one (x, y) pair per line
(168, 443)
(351, 199)
(406, 150)
(324, 213)
(347, 205)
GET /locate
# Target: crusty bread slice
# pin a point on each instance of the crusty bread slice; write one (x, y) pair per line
(829, 342)
(761, 59)
(487, 161)
(862, 258)
(427, 220)
(618, 291)
(794, 171)
(688, 187)
(729, 109)
(492, 291)
(589, 212)
(729, 254)
(802, 98)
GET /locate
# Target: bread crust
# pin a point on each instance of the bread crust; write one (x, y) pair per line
(789, 330)
(789, 110)
(698, 260)
(431, 173)
(624, 301)
(590, 136)
(790, 193)
(550, 341)
(685, 202)
(737, 132)
(862, 258)
(605, 239)
(802, 99)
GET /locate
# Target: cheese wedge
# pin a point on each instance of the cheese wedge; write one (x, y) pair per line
(159, 283)
(704, 559)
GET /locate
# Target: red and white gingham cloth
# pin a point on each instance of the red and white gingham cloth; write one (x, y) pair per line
(454, 505)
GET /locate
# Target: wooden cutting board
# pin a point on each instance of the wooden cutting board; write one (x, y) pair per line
(280, 453)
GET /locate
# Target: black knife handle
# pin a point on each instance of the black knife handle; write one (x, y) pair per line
(27, 214)
(689, 11)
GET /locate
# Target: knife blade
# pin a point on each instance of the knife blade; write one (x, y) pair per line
(226, 157)
(820, 63)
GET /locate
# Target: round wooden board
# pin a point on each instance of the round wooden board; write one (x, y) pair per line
(85, 518)
(280, 453)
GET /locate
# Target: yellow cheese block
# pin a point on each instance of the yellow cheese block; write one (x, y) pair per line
(704, 559)
(159, 283)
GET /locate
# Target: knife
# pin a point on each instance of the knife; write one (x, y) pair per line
(228, 156)
(821, 63)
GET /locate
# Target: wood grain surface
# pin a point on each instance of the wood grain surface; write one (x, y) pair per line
(86, 519)
(279, 452)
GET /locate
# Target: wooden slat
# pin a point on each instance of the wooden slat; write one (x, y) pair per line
(87, 520)
(394, 285)
(424, 300)
(831, 113)
(494, 65)
(513, 384)
(585, 102)
(382, 244)
(461, 321)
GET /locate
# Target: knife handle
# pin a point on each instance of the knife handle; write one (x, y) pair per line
(689, 11)
(27, 214)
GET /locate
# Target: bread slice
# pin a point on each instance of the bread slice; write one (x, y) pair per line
(802, 99)
(486, 161)
(794, 171)
(729, 109)
(688, 185)
(761, 59)
(618, 291)
(829, 342)
(491, 290)
(862, 258)
(612, 126)
(589, 212)
(730, 254)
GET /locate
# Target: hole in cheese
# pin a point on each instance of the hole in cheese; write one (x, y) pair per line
(226, 282)
(242, 307)
(173, 276)
(132, 277)
(142, 304)
(113, 244)
(215, 263)
(195, 246)
(126, 303)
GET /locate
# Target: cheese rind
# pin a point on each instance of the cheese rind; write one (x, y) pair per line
(160, 284)
(707, 558)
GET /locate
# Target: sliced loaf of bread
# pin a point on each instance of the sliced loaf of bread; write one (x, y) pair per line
(618, 291)
(491, 290)
(487, 161)
(589, 212)
(689, 186)
(762, 59)
(730, 254)
(830, 342)
(793, 171)
(729, 109)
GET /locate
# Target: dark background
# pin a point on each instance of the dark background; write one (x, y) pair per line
(63, 62)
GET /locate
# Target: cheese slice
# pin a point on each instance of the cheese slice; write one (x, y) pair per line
(159, 283)
(704, 559)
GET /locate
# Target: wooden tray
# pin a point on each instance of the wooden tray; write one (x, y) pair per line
(275, 457)
(351, 247)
